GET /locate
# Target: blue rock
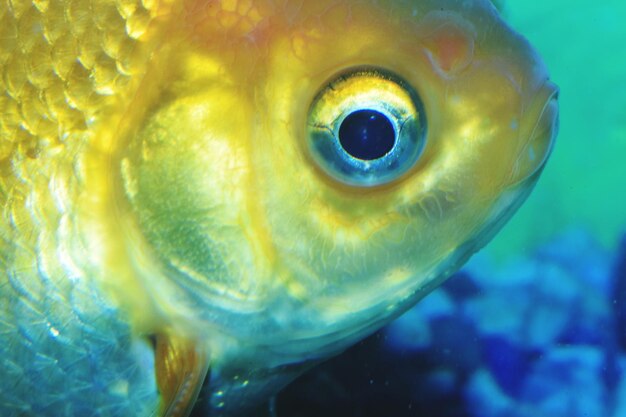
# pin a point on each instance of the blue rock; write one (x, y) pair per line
(485, 398)
(461, 286)
(507, 362)
(412, 331)
(620, 392)
(567, 382)
(618, 302)
(455, 344)
(578, 252)
(409, 332)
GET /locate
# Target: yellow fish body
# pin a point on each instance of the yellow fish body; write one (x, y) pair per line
(244, 187)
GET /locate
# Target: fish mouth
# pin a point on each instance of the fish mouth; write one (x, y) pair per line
(540, 124)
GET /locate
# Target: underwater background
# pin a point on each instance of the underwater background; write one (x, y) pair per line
(535, 324)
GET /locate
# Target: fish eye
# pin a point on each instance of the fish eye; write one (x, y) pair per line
(366, 127)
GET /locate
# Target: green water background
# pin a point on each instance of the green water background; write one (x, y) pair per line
(583, 44)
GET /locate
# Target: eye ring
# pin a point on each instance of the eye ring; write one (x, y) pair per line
(370, 104)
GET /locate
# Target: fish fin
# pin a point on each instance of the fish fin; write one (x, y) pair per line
(181, 367)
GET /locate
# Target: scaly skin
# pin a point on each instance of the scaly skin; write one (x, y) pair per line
(65, 348)
(162, 214)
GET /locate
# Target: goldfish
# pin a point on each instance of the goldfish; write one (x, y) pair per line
(201, 199)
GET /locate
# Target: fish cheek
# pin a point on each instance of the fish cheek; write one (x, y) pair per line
(186, 178)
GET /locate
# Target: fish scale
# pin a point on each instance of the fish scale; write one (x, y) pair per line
(72, 343)
(56, 79)
(59, 337)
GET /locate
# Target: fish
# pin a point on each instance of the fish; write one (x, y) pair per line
(202, 199)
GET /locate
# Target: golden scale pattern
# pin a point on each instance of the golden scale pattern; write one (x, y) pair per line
(63, 65)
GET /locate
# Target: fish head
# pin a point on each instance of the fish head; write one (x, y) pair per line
(293, 175)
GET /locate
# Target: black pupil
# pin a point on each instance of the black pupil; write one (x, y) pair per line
(367, 134)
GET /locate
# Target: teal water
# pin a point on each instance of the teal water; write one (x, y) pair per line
(583, 186)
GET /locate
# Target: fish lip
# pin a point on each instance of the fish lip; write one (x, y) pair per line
(550, 108)
(540, 124)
